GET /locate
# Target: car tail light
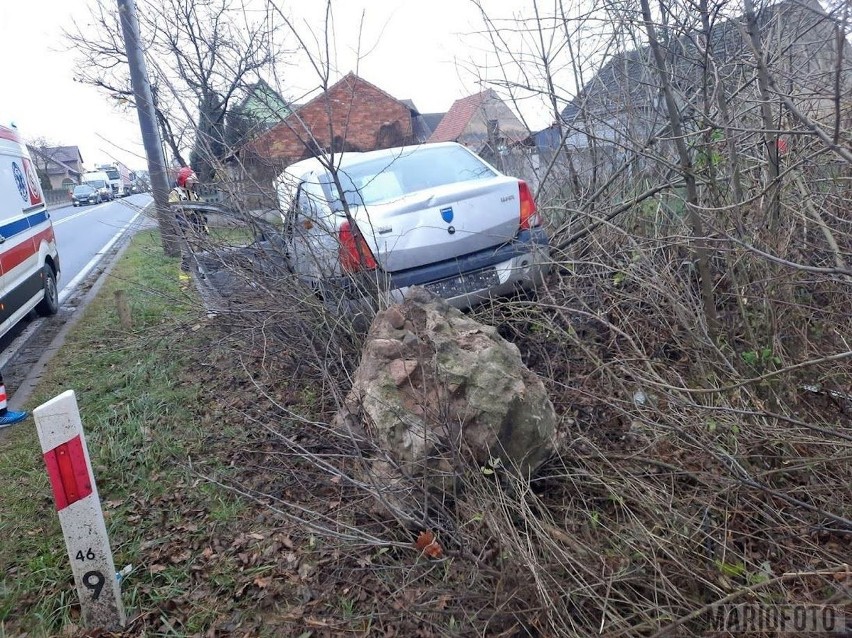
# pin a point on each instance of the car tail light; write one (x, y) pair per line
(355, 254)
(529, 214)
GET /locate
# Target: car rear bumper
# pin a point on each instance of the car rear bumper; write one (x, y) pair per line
(468, 280)
(472, 279)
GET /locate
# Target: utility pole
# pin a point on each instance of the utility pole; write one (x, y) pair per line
(148, 125)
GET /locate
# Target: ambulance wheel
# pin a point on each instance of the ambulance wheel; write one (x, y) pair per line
(49, 306)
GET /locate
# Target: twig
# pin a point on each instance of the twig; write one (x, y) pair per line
(746, 590)
(768, 375)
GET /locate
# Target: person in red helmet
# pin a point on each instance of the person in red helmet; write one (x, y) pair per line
(185, 190)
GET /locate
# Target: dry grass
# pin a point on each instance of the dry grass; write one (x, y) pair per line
(693, 470)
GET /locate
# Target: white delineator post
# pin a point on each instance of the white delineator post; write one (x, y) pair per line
(60, 432)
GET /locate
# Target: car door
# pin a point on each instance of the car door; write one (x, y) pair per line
(314, 231)
(293, 203)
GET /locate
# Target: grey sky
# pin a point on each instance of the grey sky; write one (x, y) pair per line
(414, 49)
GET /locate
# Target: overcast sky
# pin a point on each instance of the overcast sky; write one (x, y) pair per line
(415, 49)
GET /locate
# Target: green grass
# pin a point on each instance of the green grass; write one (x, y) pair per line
(138, 405)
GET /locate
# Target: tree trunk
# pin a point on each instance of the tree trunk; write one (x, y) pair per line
(702, 260)
(771, 201)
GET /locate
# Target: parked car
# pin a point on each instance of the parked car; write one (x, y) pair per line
(85, 194)
(435, 215)
(100, 182)
(28, 251)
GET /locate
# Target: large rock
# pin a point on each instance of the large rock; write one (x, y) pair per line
(437, 390)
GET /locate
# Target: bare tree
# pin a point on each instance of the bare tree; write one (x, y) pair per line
(44, 155)
(693, 333)
(201, 56)
(686, 168)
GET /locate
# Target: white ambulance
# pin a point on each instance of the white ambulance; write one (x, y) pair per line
(29, 260)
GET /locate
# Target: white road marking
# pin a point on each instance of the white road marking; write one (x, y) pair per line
(76, 215)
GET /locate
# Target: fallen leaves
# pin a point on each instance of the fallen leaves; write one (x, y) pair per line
(263, 583)
(427, 544)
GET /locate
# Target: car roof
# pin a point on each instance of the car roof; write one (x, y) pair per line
(349, 158)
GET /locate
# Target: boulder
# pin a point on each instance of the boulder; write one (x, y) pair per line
(437, 390)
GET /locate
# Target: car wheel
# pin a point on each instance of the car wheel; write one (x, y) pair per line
(49, 306)
(344, 313)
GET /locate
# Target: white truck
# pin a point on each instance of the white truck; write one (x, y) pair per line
(99, 180)
(119, 178)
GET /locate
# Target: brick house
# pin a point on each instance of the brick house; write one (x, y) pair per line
(353, 115)
(62, 165)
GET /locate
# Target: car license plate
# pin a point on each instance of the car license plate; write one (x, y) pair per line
(464, 284)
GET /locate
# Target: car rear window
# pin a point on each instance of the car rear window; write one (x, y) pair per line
(384, 180)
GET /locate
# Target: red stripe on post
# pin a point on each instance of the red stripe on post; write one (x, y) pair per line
(69, 475)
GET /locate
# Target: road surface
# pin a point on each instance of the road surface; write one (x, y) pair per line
(82, 233)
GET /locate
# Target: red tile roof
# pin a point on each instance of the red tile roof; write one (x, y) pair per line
(458, 117)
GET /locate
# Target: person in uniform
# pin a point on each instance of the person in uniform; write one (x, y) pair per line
(186, 190)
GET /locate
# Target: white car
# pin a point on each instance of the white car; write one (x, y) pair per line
(435, 215)
(28, 252)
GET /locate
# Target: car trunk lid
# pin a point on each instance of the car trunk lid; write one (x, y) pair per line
(441, 223)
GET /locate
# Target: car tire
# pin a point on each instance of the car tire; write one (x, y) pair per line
(49, 305)
(343, 314)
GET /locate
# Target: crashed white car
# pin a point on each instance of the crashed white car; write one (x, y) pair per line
(435, 215)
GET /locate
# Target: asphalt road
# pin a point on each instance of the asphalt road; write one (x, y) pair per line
(81, 233)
